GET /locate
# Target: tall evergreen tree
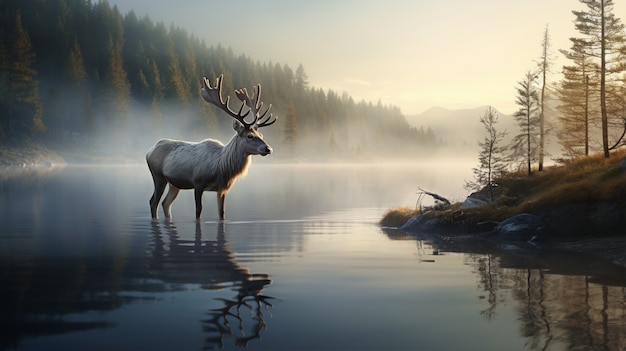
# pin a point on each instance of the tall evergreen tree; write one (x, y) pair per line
(577, 99)
(24, 84)
(177, 79)
(524, 145)
(604, 40)
(5, 89)
(78, 87)
(291, 130)
(544, 69)
(118, 80)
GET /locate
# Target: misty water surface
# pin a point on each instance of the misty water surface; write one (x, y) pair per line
(299, 264)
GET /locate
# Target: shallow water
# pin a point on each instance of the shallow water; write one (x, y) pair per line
(299, 264)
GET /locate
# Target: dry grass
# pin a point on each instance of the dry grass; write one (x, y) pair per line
(583, 180)
(398, 216)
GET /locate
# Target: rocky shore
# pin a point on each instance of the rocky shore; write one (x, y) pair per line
(575, 208)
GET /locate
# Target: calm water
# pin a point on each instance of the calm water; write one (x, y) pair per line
(300, 264)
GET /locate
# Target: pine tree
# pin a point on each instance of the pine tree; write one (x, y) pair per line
(544, 69)
(604, 40)
(24, 84)
(78, 87)
(491, 160)
(118, 83)
(524, 145)
(291, 130)
(576, 100)
(178, 79)
(5, 89)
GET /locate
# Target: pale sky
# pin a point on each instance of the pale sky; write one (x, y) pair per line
(414, 54)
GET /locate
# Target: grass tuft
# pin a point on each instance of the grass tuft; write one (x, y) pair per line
(398, 216)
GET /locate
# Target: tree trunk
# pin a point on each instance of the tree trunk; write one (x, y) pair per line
(605, 124)
(587, 115)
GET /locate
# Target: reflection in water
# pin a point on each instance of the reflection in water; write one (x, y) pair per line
(82, 266)
(553, 308)
(212, 265)
(43, 293)
(563, 300)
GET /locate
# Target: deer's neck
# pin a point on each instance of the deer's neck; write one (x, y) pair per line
(234, 158)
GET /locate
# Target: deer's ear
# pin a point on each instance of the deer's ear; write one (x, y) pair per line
(238, 127)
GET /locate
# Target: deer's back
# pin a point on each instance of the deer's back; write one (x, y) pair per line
(181, 159)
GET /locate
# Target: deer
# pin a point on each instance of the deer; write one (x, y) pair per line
(209, 165)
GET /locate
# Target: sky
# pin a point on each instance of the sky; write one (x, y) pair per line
(414, 54)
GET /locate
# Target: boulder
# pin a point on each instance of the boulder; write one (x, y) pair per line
(521, 227)
(420, 223)
(471, 202)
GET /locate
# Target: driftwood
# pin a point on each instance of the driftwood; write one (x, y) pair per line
(441, 203)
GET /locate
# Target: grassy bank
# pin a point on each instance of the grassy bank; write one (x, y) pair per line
(583, 183)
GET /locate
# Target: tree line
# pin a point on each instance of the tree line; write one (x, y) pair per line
(80, 72)
(590, 100)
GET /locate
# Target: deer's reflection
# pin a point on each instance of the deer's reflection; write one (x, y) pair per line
(212, 264)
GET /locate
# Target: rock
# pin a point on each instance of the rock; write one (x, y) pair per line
(521, 227)
(622, 164)
(587, 218)
(420, 223)
(471, 202)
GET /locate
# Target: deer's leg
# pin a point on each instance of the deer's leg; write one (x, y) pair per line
(159, 188)
(169, 199)
(198, 190)
(221, 197)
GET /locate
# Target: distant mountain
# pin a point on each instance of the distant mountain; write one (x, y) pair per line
(459, 129)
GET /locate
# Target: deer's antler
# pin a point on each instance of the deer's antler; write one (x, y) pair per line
(213, 95)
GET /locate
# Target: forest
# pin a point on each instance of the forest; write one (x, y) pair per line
(83, 78)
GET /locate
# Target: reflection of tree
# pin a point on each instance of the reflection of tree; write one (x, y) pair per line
(562, 300)
(532, 309)
(489, 280)
(554, 308)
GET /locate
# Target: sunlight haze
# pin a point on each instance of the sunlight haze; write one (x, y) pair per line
(407, 53)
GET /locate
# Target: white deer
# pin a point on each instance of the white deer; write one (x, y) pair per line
(209, 165)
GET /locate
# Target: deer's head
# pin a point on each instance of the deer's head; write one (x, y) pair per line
(247, 132)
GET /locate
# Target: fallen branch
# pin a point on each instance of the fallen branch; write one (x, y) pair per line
(440, 201)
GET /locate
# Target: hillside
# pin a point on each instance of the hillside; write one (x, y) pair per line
(83, 77)
(457, 129)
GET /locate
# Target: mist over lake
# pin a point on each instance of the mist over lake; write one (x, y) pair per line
(299, 263)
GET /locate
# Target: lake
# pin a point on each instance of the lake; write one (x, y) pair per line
(299, 264)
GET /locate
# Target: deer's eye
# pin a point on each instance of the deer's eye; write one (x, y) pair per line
(250, 137)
